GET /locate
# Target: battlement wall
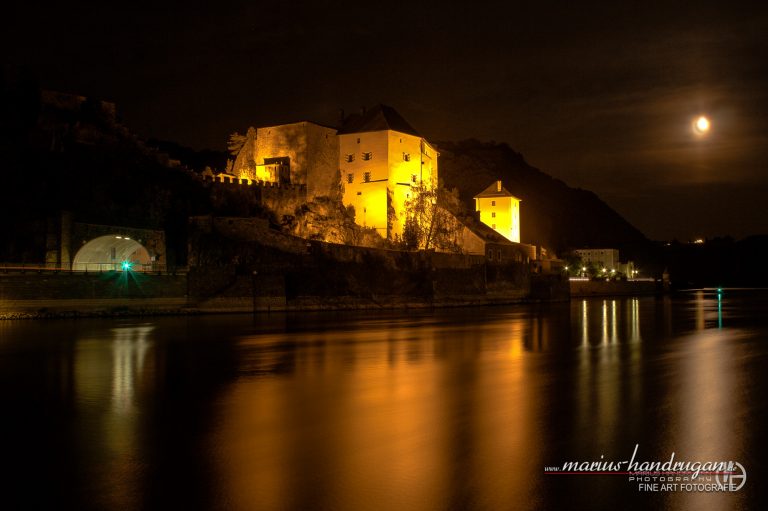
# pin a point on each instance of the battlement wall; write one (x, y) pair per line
(281, 198)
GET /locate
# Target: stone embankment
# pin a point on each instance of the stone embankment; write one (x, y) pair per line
(251, 268)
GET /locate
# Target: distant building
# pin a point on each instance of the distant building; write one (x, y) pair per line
(383, 160)
(607, 258)
(500, 210)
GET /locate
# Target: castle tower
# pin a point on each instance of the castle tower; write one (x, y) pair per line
(382, 161)
(499, 210)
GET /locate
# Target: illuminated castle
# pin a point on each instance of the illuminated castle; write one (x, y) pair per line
(383, 160)
(301, 153)
(500, 210)
(374, 163)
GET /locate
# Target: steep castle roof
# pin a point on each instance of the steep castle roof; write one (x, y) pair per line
(495, 190)
(379, 118)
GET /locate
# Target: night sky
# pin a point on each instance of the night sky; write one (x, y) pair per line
(599, 95)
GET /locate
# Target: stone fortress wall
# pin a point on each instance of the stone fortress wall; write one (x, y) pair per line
(282, 199)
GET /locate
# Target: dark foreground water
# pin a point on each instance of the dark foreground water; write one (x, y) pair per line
(453, 409)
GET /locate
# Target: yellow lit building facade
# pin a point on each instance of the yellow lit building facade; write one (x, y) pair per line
(382, 160)
(500, 210)
(300, 153)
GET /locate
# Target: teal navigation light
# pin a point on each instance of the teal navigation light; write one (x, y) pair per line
(126, 265)
(719, 307)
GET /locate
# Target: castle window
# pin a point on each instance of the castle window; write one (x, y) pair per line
(358, 140)
(350, 178)
(359, 193)
(349, 158)
(367, 177)
(493, 203)
(367, 156)
(406, 157)
(413, 178)
(493, 214)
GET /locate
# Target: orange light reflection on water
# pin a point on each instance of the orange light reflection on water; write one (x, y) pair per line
(389, 428)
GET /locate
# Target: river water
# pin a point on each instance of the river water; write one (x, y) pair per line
(427, 410)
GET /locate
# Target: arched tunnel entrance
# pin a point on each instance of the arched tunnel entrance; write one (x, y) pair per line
(112, 252)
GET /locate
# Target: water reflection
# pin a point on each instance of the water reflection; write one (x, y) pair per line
(129, 347)
(109, 371)
(719, 309)
(709, 308)
(704, 423)
(634, 320)
(430, 410)
(414, 433)
(596, 315)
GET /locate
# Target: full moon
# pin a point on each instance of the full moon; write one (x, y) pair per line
(701, 125)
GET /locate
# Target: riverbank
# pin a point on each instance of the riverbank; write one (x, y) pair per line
(587, 288)
(53, 309)
(46, 294)
(96, 301)
(262, 279)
